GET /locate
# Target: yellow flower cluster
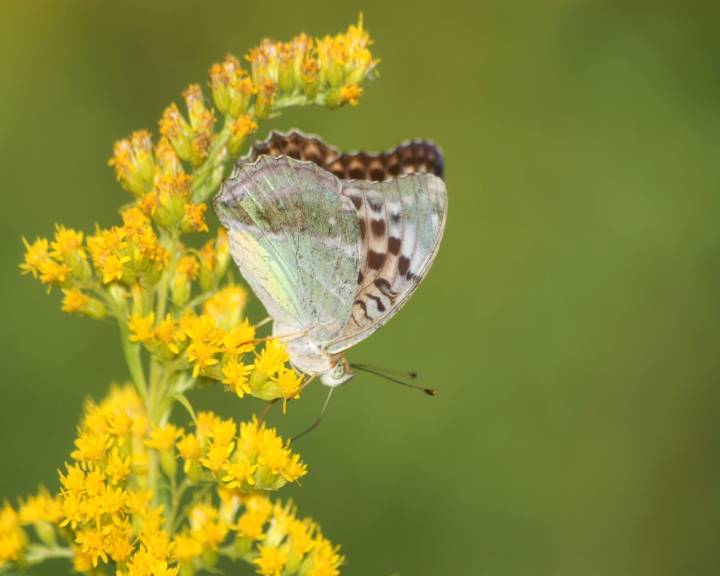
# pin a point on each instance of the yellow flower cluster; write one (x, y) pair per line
(12, 537)
(110, 513)
(215, 344)
(124, 501)
(131, 256)
(328, 71)
(249, 526)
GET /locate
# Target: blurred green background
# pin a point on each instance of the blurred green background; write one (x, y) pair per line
(571, 322)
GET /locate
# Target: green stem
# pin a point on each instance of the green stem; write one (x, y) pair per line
(36, 554)
(177, 495)
(133, 359)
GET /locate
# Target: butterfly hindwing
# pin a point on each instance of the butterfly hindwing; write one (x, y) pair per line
(296, 241)
(401, 224)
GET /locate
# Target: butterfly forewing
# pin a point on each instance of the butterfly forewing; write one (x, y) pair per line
(296, 241)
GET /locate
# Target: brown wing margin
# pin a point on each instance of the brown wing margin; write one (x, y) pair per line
(407, 158)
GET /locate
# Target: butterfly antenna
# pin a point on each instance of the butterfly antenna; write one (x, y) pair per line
(408, 375)
(364, 368)
(322, 413)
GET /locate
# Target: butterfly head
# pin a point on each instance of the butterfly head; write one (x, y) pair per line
(339, 373)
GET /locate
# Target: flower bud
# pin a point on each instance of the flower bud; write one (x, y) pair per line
(176, 129)
(168, 463)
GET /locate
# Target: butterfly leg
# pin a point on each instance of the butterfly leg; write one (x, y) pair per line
(317, 422)
(264, 412)
(263, 322)
(295, 336)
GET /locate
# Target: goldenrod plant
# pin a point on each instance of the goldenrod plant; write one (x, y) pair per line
(139, 495)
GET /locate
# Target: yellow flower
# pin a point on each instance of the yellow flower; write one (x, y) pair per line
(194, 218)
(206, 527)
(92, 543)
(273, 357)
(325, 558)
(239, 472)
(141, 327)
(223, 431)
(288, 382)
(52, 272)
(117, 467)
(300, 533)
(91, 446)
(12, 537)
(216, 455)
(36, 254)
(163, 439)
(187, 547)
(188, 267)
(201, 354)
(177, 131)
(243, 127)
(240, 340)
(112, 267)
(189, 448)
(165, 335)
(42, 507)
(350, 94)
(236, 377)
(226, 306)
(75, 301)
(133, 162)
(271, 561)
(67, 242)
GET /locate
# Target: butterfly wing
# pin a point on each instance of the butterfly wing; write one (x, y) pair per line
(296, 241)
(401, 224)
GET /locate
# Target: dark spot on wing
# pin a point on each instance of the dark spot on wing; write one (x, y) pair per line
(376, 260)
(395, 217)
(384, 286)
(375, 203)
(363, 229)
(363, 306)
(357, 201)
(380, 305)
(360, 277)
(403, 265)
(394, 245)
(378, 227)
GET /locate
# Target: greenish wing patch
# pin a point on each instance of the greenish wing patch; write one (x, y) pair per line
(296, 241)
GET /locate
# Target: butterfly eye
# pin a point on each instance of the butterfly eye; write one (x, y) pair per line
(339, 371)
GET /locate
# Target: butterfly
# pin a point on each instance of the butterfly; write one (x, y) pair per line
(332, 244)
